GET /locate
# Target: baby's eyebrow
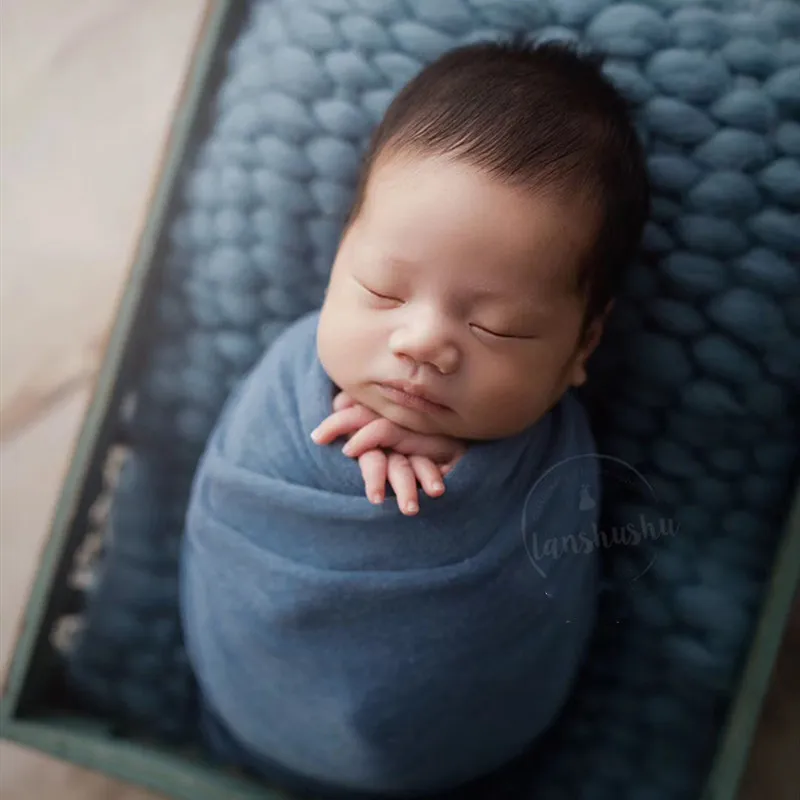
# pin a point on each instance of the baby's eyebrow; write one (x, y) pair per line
(468, 296)
(523, 301)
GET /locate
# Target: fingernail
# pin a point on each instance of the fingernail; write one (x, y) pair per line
(438, 486)
(411, 508)
(347, 449)
(315, 434)
(376, 499)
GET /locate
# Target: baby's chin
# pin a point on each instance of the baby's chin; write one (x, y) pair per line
(417, 421)
(430, 424)
(454, 423)
(455, 426)
(457, 423)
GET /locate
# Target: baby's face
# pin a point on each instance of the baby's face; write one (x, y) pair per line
(451, 307)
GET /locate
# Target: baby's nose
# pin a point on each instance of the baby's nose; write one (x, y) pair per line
(426, 344)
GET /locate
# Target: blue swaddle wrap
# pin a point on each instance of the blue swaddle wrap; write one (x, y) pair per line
(362, 648)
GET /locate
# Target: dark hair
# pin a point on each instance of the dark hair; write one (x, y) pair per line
(541, 115)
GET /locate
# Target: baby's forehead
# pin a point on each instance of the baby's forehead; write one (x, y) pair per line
(438, 214)
(531, 283)
(444, 195)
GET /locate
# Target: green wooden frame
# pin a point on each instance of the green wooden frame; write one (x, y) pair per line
(745, 711)
(90, 743)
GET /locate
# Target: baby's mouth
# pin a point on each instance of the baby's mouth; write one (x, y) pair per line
(411, 396)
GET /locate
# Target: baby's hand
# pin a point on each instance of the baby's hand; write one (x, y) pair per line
(402, 473)
(413, 456)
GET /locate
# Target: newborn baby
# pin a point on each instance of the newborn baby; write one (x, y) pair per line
(347, 642)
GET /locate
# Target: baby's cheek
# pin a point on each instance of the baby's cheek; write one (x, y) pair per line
(511, 398)
(331, 346)
(340, 358)
(501, 378)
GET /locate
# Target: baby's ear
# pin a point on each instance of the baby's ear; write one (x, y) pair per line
(591, 338)
(594, 333)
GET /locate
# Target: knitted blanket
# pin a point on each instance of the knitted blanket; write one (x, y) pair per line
(694, 392)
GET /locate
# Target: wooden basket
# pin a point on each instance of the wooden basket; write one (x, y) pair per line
(33, 712)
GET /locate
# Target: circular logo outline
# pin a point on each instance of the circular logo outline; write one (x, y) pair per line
(583, 456)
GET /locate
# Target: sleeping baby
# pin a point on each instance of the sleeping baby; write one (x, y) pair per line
(360, 602)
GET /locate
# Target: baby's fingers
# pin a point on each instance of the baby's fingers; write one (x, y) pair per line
(342, 423)
(404, 483)
(342, 401)
(390, 436)
(449, 465)
(378, 433)
(374, 470)
(428, 474)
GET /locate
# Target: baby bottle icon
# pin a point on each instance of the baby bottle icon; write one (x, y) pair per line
(587, 502)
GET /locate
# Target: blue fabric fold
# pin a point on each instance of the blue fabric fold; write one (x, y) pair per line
(364, 649)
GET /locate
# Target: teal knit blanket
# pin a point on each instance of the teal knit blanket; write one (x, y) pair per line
(693, 394)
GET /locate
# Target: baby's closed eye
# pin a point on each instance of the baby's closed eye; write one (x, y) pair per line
(501, 333)
(385, 296)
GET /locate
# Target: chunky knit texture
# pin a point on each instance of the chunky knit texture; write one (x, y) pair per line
(696, 384)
